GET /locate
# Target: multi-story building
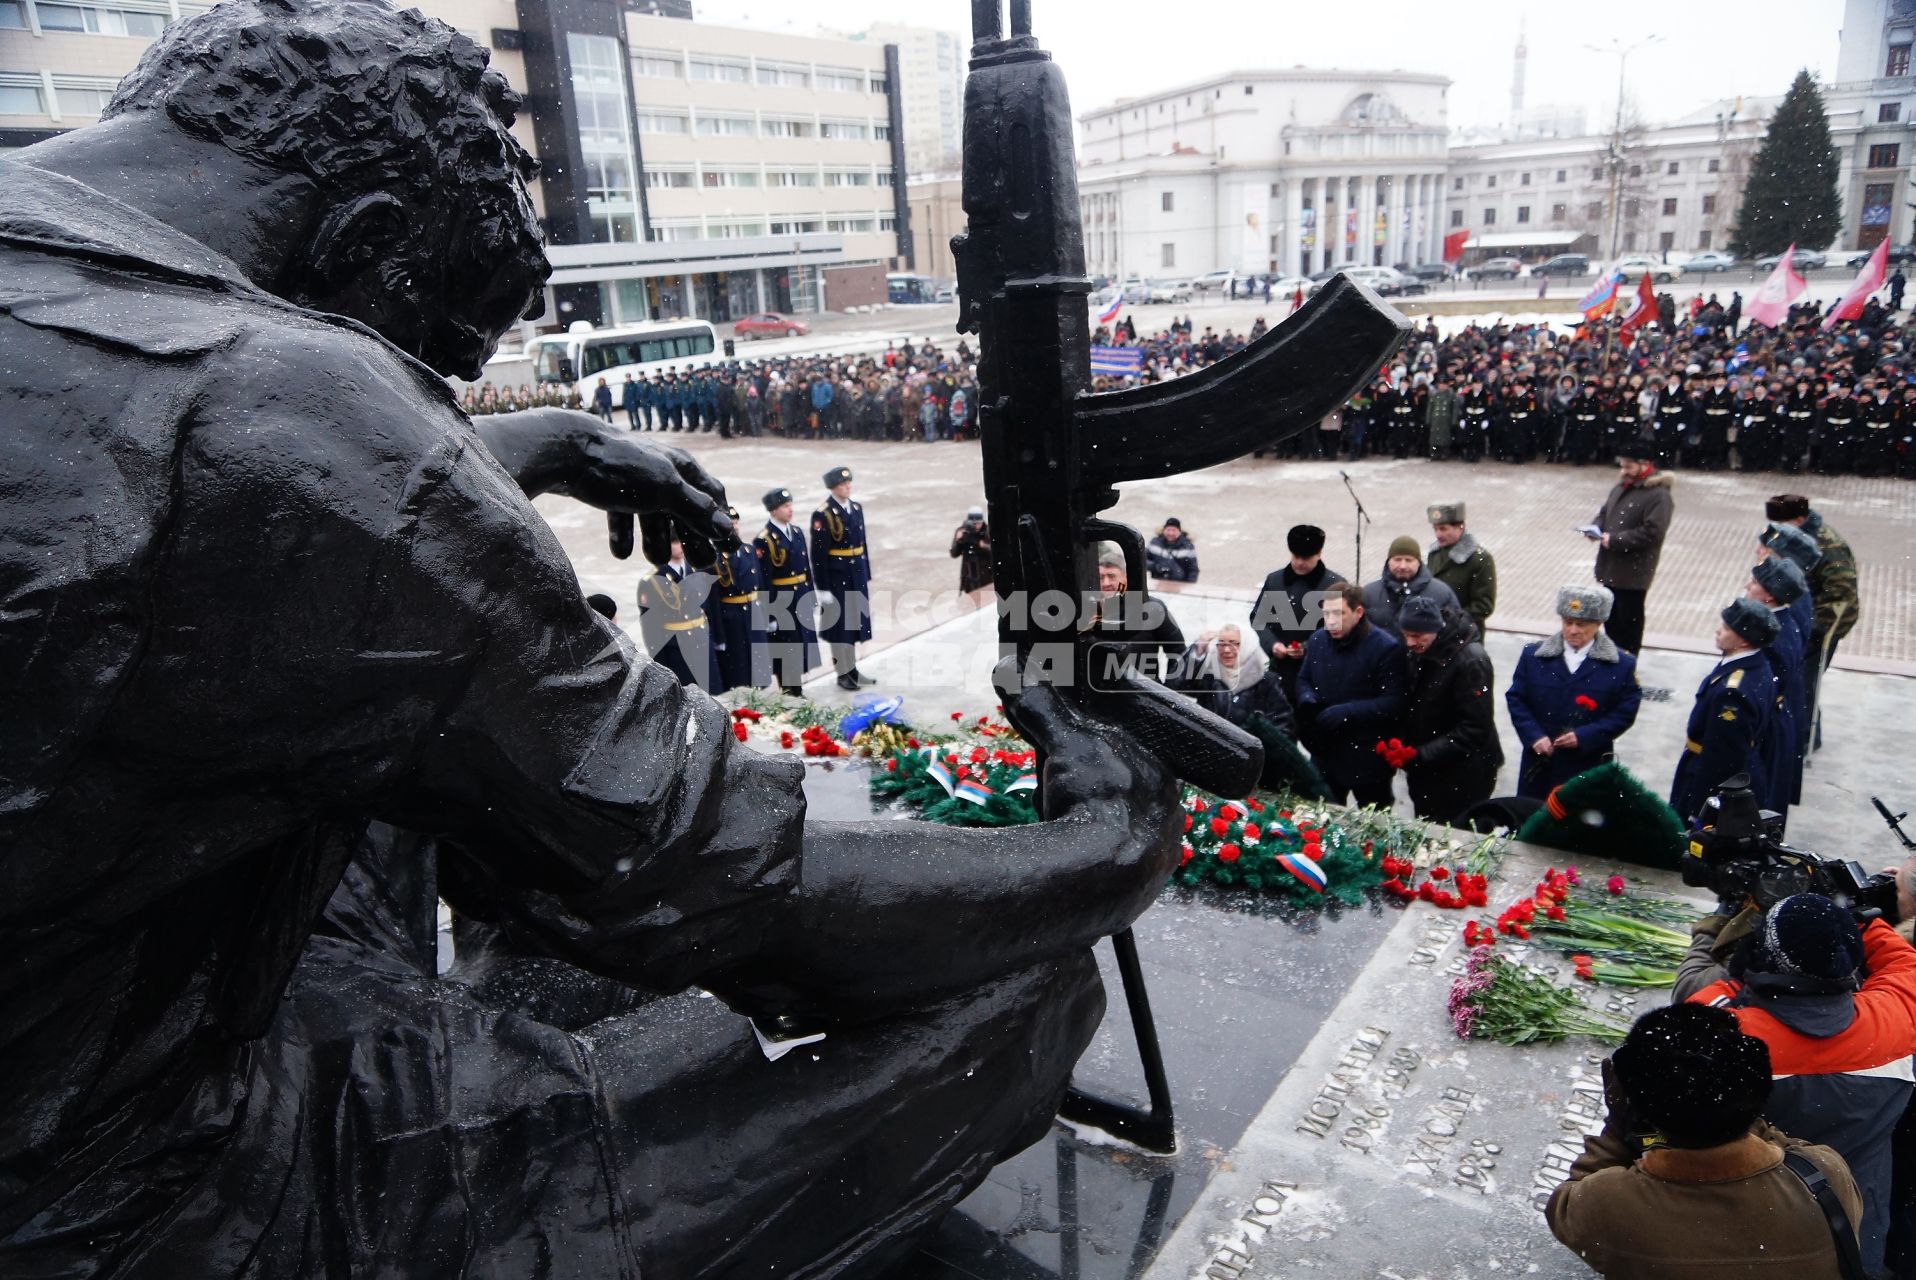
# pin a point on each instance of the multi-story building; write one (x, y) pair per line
(1675, 188)
(1256, 171)
(1872, 109)
(931, 68)
(686, 169)
(937, 214)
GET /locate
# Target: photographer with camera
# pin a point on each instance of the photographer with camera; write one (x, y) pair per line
(1686, 1178)
(1835, 1002)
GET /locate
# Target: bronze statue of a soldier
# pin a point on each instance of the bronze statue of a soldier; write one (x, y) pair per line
(290, 657)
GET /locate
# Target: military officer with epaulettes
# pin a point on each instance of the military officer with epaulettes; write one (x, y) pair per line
(1776, 584)
(1670, 422)
(1583, 425)
(1799, 422)
(741, 629)
(1473, 423)
(786, 602)
(1759, 428)
(841, 566)
(1715, 414)
(1735, 706)
(677, 613)
(1836, 433)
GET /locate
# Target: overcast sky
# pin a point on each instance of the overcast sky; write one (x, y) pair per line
(1113, 48)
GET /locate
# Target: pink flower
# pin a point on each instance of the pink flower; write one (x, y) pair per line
(1615, 885)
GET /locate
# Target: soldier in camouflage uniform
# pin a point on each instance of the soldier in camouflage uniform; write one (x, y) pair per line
(1457, 560)
(1832, 588)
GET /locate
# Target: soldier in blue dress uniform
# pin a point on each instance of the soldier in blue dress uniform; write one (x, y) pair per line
(1800, 549)
(1777, 584)
(1572, 695)
(741, 631)
(785, 595)
(678, 620)
(842, 568)
(1734, 711)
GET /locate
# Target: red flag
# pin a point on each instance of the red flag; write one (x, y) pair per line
(1868, 281)
(1770, 305)
(1454, 245)
(1643, 310)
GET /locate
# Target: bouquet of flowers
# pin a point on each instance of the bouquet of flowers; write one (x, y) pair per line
(1498, 999)
(1609, 941)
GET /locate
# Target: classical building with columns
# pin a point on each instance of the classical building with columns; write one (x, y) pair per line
(1290, 172)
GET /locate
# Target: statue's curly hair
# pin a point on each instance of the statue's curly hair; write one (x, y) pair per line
(356, 94)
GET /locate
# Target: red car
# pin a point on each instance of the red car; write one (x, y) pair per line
(769, 324)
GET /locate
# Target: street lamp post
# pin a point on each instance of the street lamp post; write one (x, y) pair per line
(1622, 52)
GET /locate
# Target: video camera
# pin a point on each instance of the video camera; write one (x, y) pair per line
(1736, 851)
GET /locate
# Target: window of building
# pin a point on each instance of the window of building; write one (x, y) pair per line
(877, 84)
(723, 70)
(1898, 61)
(656, 64)
(1490, 217)
(1703, 239)
(1669, 207)
(1666, 240)
(1490, 180)
(848, 178)
(1630, 241)
(1457, 183)
(1247, 90)
(1523, 213)
(100, 22)
(1632, 208)
(729, 178)
(885, 177)
(21, 100)
(1709, 204)
(1889, 112)
(881, 133)
(1596, 173)
(887, 222)
(733, 230)
(13, 14)
(1562, 174)
(1673, 166)
(1167, 255)
(1883, 155)
(605, 141)
(792, 178)
(668, 179)
(849, 226)
(1274, 191)
(839, 80)
(1636, 171)
(844, 130)
(780, 75)
(663, 122)
(787, 128)
(798, 227)
(1558, 212)
(607, 178)
(1456, 217)
(677, 231)
(1524, 180)
(1167, 200)
(712, 126)
(1712, 166)
(1593, 210)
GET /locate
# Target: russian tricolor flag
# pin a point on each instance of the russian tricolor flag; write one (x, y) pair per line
(1305, 870)
(1110, 313)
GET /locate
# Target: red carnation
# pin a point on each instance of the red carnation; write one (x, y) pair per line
(1186, 855)
(1257, 806)
(957, 715)
(1440, 873)
(891, 766)
(1187, 822)
(1227, 852)
(785, 740)
(744, 713)
(1252, 831)
(1219, 826)
(978, 755)
(1615, 885)
(1555, 913)
(739, 730)
(1587, 702)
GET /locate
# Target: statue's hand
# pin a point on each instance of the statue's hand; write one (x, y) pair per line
(1098, 774)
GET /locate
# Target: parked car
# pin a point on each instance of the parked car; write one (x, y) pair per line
(1213, 281)
(1635, 268)
(1428, 270)
(1495, 269)
(1564, 264)
(1805, 260)
(1284, 288)
(945, 293)
(1378, 278)
(1710, 260)
(1168, 291)
(1899, 255)
(1399, 284)
(769, 324)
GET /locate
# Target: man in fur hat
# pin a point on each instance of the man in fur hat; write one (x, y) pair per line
(1572, 696)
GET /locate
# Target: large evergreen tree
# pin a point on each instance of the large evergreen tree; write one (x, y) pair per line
(1791, 196)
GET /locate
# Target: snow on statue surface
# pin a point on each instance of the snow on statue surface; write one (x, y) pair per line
(289, 656)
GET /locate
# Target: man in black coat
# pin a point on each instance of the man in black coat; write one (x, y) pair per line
(1350, 697)
(1288, 608)
(1451, 718)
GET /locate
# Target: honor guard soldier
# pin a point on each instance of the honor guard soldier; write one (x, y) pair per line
(1735, 706)
(842, 568)
(1776, 583)
(1876, 437)
(1670, 423)
(741, 632)
(677, 617)
(1584, 425)
(785, 595)
(1400, 417)
(1523, 419)
(1473, 427)
(1717, 413)
(1799, 420)
(1835, 438)
(1761, 428)
(1792, 544)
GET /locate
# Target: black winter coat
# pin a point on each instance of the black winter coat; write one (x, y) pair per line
(1451, 720)
(1350, 695)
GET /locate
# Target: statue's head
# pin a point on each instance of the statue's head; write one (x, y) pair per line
(424, 228)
